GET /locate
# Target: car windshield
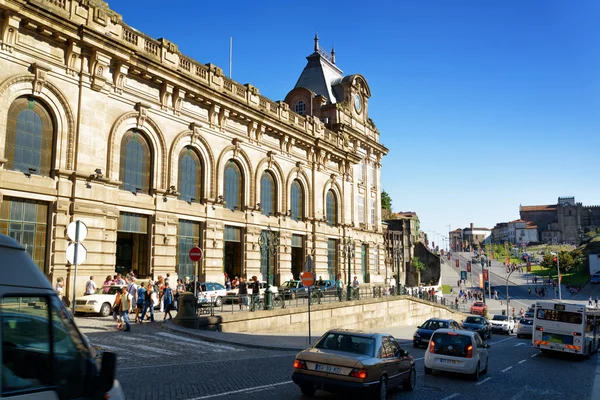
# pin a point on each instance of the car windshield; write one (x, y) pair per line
(348, 343)
(451, 344)
(474, 320)
(433, 325)
(478, 304)
(109, 290)
(500, 318)
(290, 284)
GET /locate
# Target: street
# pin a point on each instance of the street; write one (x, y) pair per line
(156, 363)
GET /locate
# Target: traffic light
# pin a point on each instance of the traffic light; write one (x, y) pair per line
(554, 260)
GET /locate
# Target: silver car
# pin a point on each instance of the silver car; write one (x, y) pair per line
(525, 327)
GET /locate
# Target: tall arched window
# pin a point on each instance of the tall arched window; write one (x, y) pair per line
(267, 193)
(29, 137)
(190, 175)
(296, 200)
(233, 186)
(332, 208)
(135, 162)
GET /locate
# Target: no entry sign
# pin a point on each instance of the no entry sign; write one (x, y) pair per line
(195, 254)
(308, 279)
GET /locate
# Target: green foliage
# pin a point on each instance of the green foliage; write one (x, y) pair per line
(446, 289)
(566, 260)
(386, 201)
(418, 264)
(598, 231)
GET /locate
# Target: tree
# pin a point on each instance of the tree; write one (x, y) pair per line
(386, 206)
(565, 258)
(419, 266)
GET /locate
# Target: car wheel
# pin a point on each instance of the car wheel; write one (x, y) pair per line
(475, 375)
(415, 345)
(308, 390)
(487, 364)
(105, 310)
(410, 384)
(428, 371)
(218, 301)
(382, 388)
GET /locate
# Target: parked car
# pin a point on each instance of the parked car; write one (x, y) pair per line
(595, 278)
(424, 332)
(351, 361)
(478, 308)
(525, 327)
(457, 351)
(232, 294)
(98, 303)
(212, 293)
(479, 325)
(292, 289)
(503, 324)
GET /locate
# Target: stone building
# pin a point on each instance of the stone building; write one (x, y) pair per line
(156, 153)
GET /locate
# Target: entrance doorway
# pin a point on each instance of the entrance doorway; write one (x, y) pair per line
(132, 245)
(297, 256)
(232, 252)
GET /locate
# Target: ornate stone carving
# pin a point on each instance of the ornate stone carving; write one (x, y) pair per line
(166, 91)
(178, 96)
(119, 77)
(213, 114)
(236, 147)
(196, 132)
(99, 70)
(10, 29)
(40, 75)
(72, 58)
(223, 116)
(252, 128)
(142, 109)
(271, 159)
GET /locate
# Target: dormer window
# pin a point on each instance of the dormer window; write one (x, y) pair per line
(300, 108)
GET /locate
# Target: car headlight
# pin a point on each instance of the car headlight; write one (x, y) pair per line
(92, 302)
(417, 334)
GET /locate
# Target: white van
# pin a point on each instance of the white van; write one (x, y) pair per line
(44, 356)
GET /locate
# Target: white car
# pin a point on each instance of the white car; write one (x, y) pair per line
(503, 324)
(99, 303)
(212, 292)
(457, 351)
(525, 327)
(232, 294)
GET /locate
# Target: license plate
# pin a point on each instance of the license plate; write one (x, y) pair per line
(328, 368)
(446, 361)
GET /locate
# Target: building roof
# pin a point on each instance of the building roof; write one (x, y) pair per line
(321, 75)
(531, 225)
(547, 207)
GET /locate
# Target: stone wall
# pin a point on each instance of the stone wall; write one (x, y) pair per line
(363, 315)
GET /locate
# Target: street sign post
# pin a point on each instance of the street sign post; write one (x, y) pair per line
(76, 252)
(308, 279)
(196, 255)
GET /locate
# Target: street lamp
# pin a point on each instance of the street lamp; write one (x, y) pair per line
(348, 252)
(483, 276)
(396, 253)
(508, 276)
(268, 242)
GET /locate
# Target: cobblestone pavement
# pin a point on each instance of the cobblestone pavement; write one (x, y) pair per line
(155, 363)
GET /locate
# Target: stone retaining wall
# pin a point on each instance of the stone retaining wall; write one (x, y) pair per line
(361, 314)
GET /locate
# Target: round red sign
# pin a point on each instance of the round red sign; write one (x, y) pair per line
(195, 254)
(308, 279)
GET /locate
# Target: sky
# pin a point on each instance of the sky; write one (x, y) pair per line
(483, 105)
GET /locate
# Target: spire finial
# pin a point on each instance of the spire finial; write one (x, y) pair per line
(333, 54)
(316, 42)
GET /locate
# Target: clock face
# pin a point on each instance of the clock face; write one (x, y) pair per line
(357, 104)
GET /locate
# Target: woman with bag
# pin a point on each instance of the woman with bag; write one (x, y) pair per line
(116, 310)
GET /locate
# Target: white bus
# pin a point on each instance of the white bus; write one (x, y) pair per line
(566, 328)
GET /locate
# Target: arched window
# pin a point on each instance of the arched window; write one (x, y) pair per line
(135, 162)
(233, 186)
(29, 137)
(297, 200)
(300, 107)
(267, 194)
(332, 209)
(190, 176)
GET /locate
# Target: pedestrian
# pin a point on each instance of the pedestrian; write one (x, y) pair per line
(339, 286)
(139, 305)
(456, 303)
(149, 303)
(596, 301)
(179, 290)
(393, 285)
(126, 306)
(529, 290)
(107, 283)
(167, 301)
(255, 286)
(242, 293)
(590, 301)
(167, 278)
(189, 286)
(90, 287)
(227, 284)
(235, 282)
(116, 310)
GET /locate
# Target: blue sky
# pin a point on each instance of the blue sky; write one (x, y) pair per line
(484, 105)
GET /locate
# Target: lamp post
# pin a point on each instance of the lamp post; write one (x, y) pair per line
(484, 280)
(396, 253)
(268, 242)
(348, 252)
(507, 299)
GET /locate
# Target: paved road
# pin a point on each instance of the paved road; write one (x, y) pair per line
(155, 363)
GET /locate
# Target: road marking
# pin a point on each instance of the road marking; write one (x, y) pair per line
(533, 355)
(503, 340)
(482, 382)
(210, 396)
(451, 396)
(156, 350)
(216, 346)
(522, 361)
(419, 359)
(520, 344)
(506, 369)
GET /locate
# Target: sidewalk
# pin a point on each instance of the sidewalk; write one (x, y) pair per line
(283, 341)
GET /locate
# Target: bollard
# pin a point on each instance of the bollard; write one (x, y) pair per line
(186, 313)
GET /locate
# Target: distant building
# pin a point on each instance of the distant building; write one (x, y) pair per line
(564, 222)
(522, 232)
(468, 239)
(400, 236)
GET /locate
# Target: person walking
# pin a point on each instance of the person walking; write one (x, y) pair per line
(107, 283)
(139, 309)
(255, 292)
(339, 285)
(393, 286)
(167, 301)
(126, 306)
(90, 287)
(596, 301)
(179, 290)
(116, 310)
(242, 293)
(149, 304)
(590, 301)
